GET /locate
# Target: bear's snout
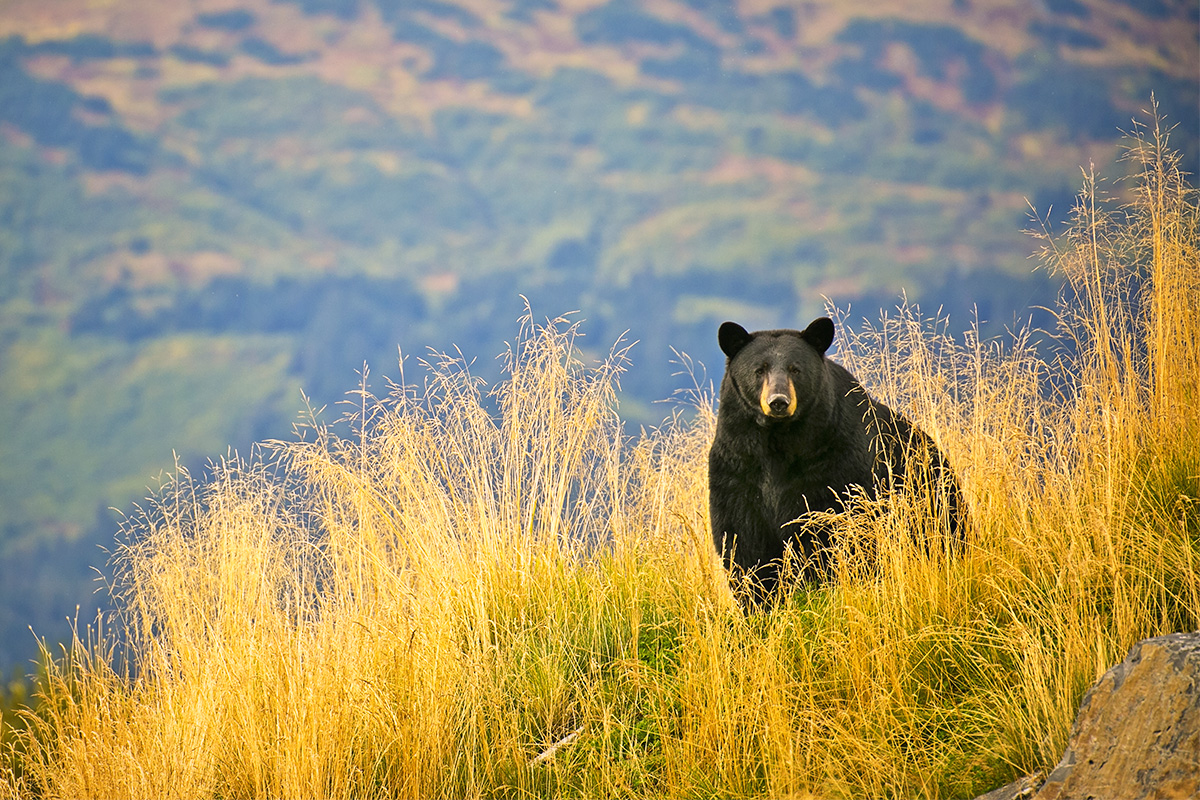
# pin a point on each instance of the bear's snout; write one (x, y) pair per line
(778, 397)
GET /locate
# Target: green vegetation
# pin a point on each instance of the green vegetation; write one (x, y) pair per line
(46, 401)
(429, 603)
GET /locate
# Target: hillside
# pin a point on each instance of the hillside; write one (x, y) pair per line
(209, 207)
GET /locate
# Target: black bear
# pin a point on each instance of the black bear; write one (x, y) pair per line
(796, 433)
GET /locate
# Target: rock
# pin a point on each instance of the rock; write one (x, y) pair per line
(1137, 734)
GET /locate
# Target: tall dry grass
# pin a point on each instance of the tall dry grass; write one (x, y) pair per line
(424, 606)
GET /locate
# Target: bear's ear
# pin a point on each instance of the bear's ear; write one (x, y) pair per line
(732, 338)
(819, 334)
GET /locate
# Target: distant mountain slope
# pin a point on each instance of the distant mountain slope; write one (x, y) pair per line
(206, 207)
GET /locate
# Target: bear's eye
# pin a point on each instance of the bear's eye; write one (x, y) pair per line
(794, 370)
(762, 370)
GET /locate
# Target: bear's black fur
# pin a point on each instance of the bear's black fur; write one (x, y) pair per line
(797, 433)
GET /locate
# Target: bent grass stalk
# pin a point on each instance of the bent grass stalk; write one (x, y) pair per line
(425, 607)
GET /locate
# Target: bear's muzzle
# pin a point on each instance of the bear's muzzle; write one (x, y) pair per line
(777, 399)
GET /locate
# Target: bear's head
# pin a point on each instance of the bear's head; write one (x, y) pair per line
(776, 374)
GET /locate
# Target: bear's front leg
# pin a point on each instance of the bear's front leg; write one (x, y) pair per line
(749, 543)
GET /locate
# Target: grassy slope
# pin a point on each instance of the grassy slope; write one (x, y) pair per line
(423, 607)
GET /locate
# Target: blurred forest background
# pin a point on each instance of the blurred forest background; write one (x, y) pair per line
(210, 206)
